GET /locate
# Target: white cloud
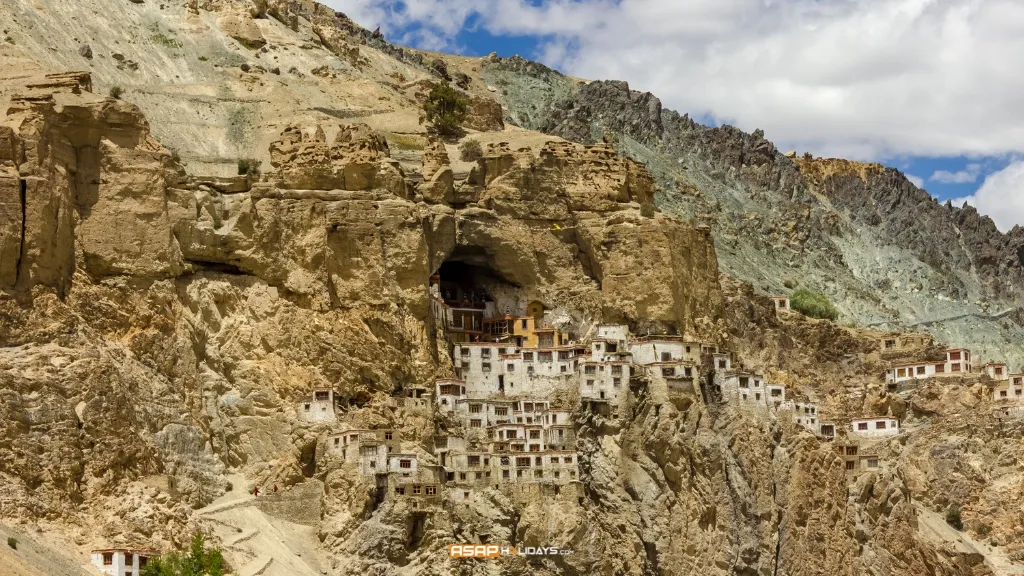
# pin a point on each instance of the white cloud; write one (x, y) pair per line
(876, 77)
(864, 79)
(965, 176)
(915, 180)
(1001, 196)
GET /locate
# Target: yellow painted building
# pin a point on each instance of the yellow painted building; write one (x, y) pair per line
(524, 332)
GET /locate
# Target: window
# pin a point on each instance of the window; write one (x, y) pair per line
(590, 382)
(486, 366)
(405, 463)
(616, 382)
(501, 411)
(475, 408)
(880, 425)
(1017, 393)
(589, 369)
(617, 370)
(757, 396)
(529, 370)
(890, 343)
(504, 460)
(400, 490)
(563, 355)
(143, 560)
(465, 495)
(666, 356)
(940, 368)
(744, 382)
(563, 368)
(954, 355)
(306, 407)
(955, 368)
(722, 364)
(851, 465)
(851, 450)
(474, 460)
(462, 475)
(920, 370)
(999, 371)
(417, 489)
(567, 459)
(108, 558)
(464, 351)
(431, 490)
(534, 434)
(389, 436)
(862, 426)
(523, 462)
(336, 440)
(528, 356)
(872, 462)
(539, 460)
(485, 352)
(561, 433)
(1002, 394)
(522, 324)
(670, 371)
(776, 392)
(475, 423)
(544, 356)
(504, 473)
(510, 368)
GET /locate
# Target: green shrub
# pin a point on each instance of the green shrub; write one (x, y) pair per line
(203, 58)
(813, 304)
(445, 109)
(116, 91)
(12, 542)
(248, 166)
(647, 210)
(200, 561)
(953, 517)
(984, 530)
(471, 151)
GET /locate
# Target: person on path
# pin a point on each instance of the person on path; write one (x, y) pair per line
(256, 491)
(275, 488)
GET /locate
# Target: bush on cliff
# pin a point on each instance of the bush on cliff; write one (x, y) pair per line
(445, 109)
(953, 517)
(471, 151)
(200, 561)
(813, 304)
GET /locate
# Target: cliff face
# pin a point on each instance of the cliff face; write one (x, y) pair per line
(885, 252)
(164, 320)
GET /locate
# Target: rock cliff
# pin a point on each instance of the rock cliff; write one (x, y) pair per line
(167, 311)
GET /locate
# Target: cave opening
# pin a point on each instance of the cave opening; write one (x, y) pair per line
(471, 294)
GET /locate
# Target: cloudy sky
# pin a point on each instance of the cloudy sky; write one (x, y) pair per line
(932, 87)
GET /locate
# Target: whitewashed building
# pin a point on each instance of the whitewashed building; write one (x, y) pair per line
(319, 407)
(120, 561)
(957, 363)
(781, 303)
(875, 427)
(1010, 389)
(997, 371)
(664, 349)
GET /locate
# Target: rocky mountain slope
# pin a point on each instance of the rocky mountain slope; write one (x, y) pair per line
(163, 318)
(885, 251)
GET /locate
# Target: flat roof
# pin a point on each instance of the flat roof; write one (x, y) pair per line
(132, 550)
(874, 418)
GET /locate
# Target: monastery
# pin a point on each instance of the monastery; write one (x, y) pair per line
(521, 383)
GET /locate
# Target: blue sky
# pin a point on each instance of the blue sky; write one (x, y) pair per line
(927, 86)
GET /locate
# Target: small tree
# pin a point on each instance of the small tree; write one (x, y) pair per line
(115, 92)
(12, 542)
(647, 210)
(200, 561)
(813, 304)
(248, 166)
(953, 517)
(445, 109)
(471, 151)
